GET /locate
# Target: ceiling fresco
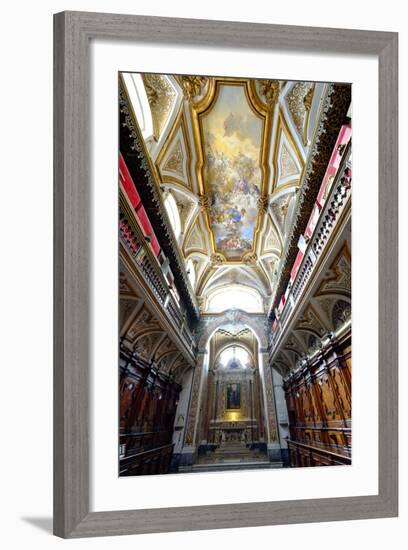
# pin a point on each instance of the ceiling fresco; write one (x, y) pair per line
(232, 136)
(231, 152)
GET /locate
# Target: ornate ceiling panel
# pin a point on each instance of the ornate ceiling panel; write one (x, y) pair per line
(232, 138)
(287, 157)
(272, 243)
(238, 146)
(195, 241)
(175, 161)
(175, 157)
(287, 164)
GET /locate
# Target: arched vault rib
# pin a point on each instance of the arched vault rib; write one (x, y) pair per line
(235, 318)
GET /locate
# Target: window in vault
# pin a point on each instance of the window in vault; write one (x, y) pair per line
(234, 357)
(235, 297)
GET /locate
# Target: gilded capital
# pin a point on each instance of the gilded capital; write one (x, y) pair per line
(192, 86)
(251, 258)
(269, 89)
(217, 259)
(203, 202)
(263, 202)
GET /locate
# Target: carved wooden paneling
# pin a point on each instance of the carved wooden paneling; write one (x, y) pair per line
(318, 398)
(148, 403)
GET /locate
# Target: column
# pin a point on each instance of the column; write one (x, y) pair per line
(180, 421)
(282, 414)
(258, 394)
(189, 451)
(272, 436)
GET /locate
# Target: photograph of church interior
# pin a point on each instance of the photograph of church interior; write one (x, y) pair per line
(234, 274)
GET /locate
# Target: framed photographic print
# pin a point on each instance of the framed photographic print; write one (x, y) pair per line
(225, 250)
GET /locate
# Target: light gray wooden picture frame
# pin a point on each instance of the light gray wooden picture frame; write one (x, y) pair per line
(72, 34)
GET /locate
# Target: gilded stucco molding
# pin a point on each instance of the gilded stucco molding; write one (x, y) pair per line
(192, 86)
(269, 91)
(161, 97)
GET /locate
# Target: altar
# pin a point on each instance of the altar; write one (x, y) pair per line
(230, 433)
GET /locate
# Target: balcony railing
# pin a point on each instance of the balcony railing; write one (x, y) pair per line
(334, 206)
(150, 270)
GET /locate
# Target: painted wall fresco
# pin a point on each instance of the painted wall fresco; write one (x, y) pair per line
(232, 174)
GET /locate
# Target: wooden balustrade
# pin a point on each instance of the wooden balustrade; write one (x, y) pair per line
(138, 442)
(153, 461)
(302, 455)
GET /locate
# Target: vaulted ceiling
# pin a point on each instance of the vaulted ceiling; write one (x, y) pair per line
(231, 153)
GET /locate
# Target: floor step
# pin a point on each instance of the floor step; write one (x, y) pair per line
(230, 453)
(222, 467)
